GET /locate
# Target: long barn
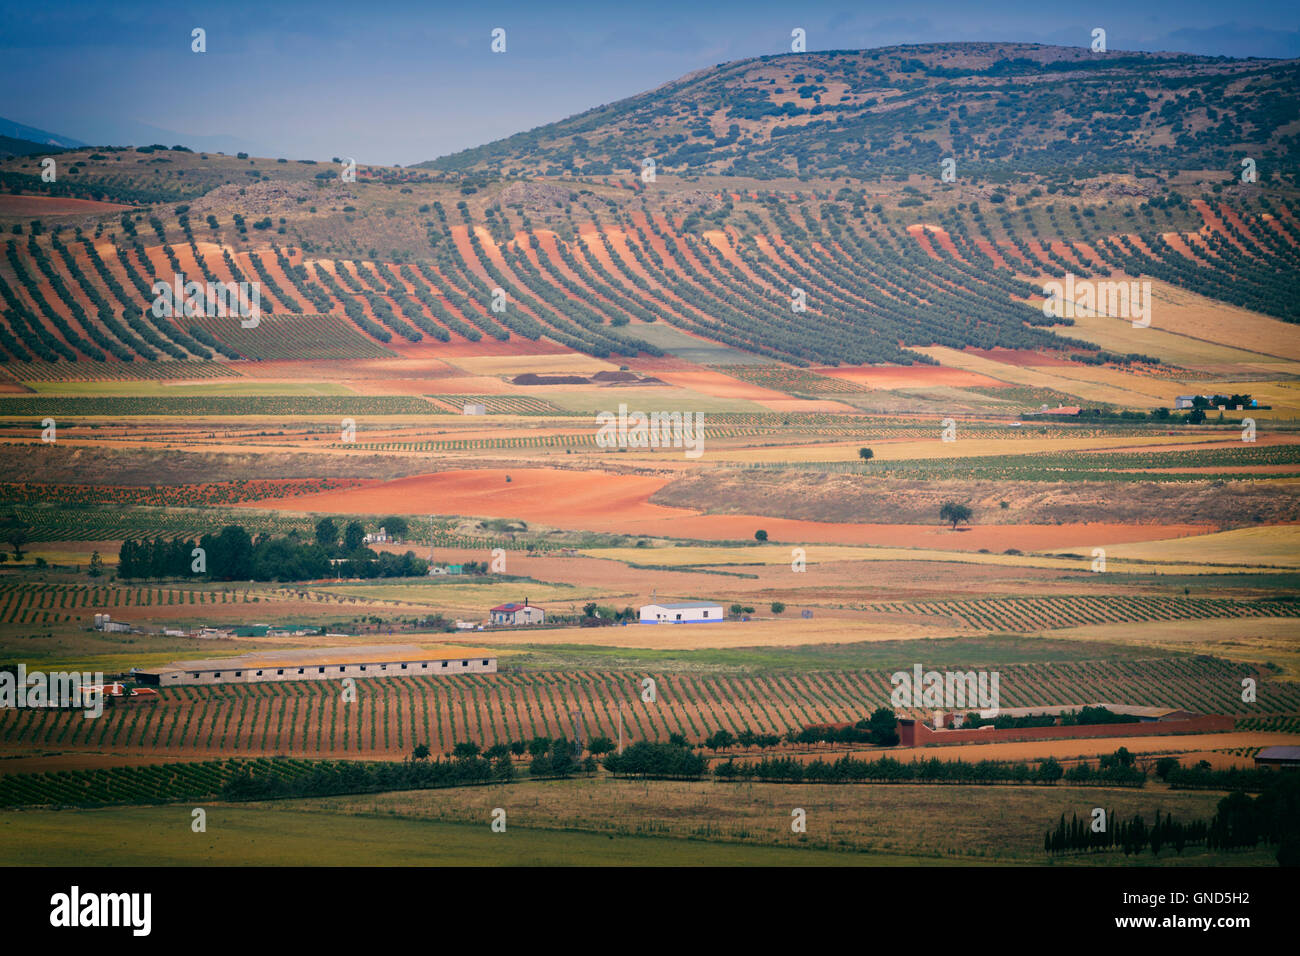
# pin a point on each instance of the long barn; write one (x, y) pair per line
(323, 663)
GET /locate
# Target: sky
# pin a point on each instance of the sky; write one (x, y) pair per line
(402, 82)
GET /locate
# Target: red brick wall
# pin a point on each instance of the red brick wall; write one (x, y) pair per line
(916, 734)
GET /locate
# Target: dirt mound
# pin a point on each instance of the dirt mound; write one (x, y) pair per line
(264, 198)
(615, 377)
(532, 378)
(535, 197)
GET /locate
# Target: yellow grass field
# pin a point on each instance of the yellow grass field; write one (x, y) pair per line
(1195, 316)
(1277, 545)
(1133, 392)
(787, 632)
(1164, 340)
(1256, 640)
(1191, 331)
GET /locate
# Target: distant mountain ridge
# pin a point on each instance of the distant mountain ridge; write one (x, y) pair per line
(41, 137)
(867, 114)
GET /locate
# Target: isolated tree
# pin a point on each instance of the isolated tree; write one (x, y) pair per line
(737, 610)
(954, 513)
(96, 564)
(421, 752)
(866, 454)
(15, 532)
(778, 607)
(327, 533)
(760, 535)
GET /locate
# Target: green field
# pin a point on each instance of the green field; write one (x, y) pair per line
(591, 823)
(263, 836)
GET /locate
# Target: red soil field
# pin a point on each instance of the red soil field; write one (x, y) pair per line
(1020, 358)
(992, 252)
(910, 376)
(596, 501)
(1214, 223)
(718, 384)
(27, 206)
(1181, 246)
(928, 236)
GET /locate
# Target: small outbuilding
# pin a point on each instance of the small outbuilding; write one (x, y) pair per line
(682, 612)
(1288, 757)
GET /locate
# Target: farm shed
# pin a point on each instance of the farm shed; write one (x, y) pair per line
(324, 663)
(683, 612)
(516, 613)
(1278, 757)
(1144, 714)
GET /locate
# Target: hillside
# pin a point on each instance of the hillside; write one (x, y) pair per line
(998, 108)
(730, 270)
(10, 146)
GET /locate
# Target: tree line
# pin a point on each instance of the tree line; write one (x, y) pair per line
(234, 555)
(1239, 822)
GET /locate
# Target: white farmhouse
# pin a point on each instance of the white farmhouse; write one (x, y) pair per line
(684, 612)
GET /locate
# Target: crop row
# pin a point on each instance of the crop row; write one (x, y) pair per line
(1023, 614)
(185, 496)
(392, 716)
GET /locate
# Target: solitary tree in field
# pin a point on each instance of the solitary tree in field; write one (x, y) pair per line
(954, 513)
(866, 454)
(16, 535)
(96, 564)
(778, 607)
(760, 535)
(421, 752)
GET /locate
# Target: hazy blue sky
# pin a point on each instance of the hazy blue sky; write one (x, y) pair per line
(405, 82)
